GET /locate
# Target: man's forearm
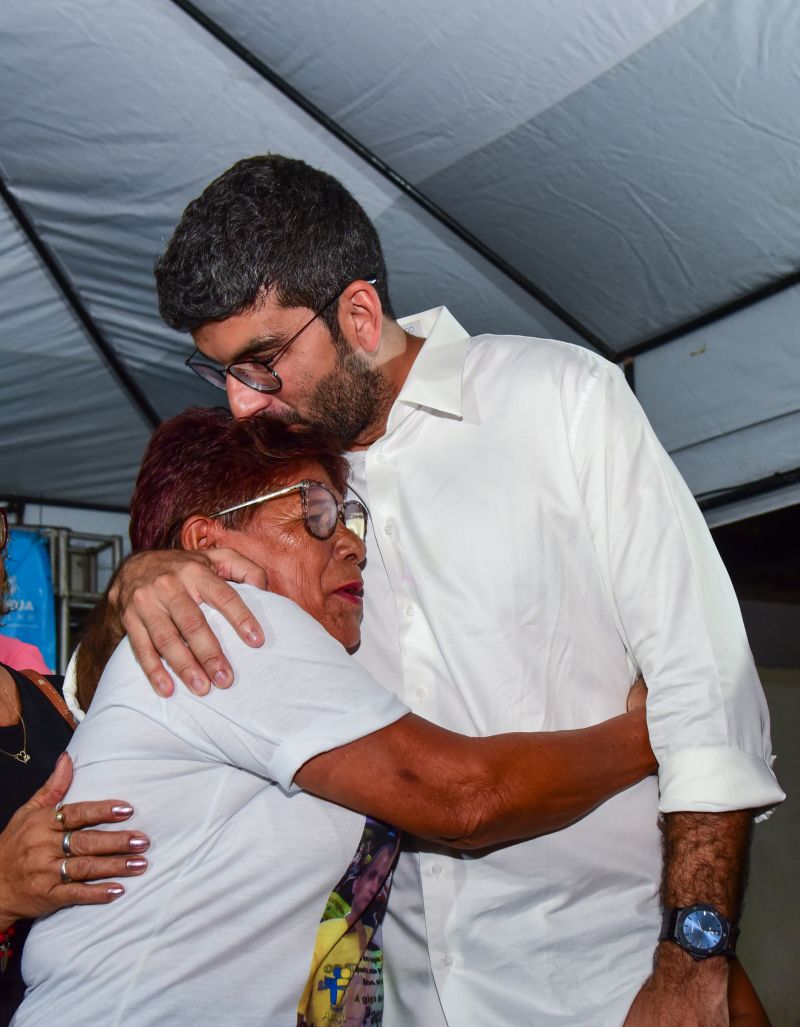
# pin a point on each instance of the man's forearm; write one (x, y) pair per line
(705, 861)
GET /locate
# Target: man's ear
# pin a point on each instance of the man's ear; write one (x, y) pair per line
(199, 532)
(361, 316)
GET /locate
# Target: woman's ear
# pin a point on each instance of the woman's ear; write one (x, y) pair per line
(199, 532)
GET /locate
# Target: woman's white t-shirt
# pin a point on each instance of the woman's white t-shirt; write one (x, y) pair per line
(221, 927)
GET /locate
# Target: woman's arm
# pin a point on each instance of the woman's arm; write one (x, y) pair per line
(473, 792)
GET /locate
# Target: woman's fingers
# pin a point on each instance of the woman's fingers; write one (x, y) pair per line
(77, 894)
(97, 868)
(75, 815)
(106, 843)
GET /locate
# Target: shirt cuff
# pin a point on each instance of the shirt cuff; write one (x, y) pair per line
(717, 780)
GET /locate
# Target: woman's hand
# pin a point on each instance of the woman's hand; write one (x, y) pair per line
(156, 598)
(32, 853)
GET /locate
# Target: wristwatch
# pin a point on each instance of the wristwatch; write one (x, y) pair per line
(701, 930)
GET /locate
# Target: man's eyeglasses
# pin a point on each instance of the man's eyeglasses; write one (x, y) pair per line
(3, 531)
(321, 509)
(255, 372)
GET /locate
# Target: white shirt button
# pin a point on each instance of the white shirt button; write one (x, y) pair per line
(437, 869)
(410, 610)
(420, 692)
(447, 960)
(388, 528)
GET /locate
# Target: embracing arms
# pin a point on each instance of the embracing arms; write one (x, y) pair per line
(473, 792)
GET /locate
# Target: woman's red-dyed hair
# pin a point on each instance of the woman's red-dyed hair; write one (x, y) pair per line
(204, 460)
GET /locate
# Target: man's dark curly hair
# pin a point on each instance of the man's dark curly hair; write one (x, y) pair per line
(269, 223)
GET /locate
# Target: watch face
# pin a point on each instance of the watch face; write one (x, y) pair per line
(702, 930)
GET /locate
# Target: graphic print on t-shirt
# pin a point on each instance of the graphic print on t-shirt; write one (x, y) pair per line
(345, 985)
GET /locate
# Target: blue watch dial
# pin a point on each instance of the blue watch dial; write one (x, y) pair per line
(702, 929)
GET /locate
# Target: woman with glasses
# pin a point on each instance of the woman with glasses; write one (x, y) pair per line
(35, 728)
(276, 805)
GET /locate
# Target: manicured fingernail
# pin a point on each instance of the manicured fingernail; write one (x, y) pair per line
(139, 844)
(136, 864)
(122, 810)
(115, 891)
(221, 679)
(254, 637)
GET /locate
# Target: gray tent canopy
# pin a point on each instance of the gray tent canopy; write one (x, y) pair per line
(617, 174)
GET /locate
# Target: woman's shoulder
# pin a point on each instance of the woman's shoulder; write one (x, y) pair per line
(287, 627)
(15, 653)
(269, 606)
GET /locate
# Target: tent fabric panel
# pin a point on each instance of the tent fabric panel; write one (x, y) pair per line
(736, 372)
(745, 456)
(399, 78)
(68, 429)
(659, 191)
(107, 218)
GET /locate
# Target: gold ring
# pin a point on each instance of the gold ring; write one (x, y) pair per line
(65, 843)
(65, 878)
(60, 812)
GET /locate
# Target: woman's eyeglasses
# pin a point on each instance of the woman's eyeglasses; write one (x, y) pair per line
(321, 509)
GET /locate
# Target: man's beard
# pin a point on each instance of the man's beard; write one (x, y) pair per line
(351, 400)
(346, 403)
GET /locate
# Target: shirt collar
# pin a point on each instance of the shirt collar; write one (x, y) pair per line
(434, 380)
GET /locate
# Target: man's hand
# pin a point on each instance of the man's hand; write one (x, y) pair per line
(31, 852)
(682, 992)
(155, 597)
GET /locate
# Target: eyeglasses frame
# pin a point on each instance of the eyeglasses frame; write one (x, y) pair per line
(5, 530)
(267, 364)
(302, 486)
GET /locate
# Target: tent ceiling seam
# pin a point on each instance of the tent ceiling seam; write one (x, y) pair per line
(70, 294)
(742, 302)
(402, 184)
(716, 498)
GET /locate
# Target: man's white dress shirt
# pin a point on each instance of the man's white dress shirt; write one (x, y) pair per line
(531, 547)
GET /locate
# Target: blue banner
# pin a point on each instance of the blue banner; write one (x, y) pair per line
(32, 615)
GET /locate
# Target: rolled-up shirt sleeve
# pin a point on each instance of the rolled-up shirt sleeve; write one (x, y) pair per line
(674, 607)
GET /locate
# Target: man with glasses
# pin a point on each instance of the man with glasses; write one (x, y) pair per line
(531, 547)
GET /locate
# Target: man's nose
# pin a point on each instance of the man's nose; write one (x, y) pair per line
(244, 401)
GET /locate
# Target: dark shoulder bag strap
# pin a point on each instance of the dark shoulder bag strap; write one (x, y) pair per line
(50, 694)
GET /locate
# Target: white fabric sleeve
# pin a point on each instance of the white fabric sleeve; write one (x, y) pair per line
(674, 608)
(70, 690)
(298, 695)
